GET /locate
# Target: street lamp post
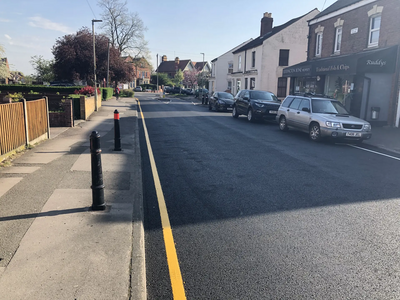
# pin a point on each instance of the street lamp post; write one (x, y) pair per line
(94, 65)
(157, 72)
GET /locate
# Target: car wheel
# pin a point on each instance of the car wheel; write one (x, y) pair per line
(315, 132)
(282, 124)
(234, 112)
(250, 116)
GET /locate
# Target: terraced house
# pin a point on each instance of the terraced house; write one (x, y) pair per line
(353, 55)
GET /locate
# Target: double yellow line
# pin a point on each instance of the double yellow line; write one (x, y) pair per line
(178, 289)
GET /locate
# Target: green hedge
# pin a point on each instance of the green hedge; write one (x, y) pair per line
(107, 93)
(23, 88)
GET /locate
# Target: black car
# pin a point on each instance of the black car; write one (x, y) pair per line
(221, 101)
(256, 105)
(175, 90)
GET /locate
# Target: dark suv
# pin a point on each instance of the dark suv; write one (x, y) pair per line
(256, 105)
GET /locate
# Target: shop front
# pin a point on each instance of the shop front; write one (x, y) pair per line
(362, 81)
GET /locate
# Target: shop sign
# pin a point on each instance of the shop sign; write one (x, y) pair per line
(331, 68)
(300, 71)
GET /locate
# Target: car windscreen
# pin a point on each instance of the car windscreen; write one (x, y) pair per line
(328, 107)
(225, 96)
(259, 95)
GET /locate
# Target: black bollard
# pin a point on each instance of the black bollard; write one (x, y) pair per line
(117, 133)
(97, 173)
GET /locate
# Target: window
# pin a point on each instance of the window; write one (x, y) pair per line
(305, 103)
(338, 39)
(230, 68)
(318, 44)
(287, 101)
(240, 63)
(283, 57)
(295, 104)
(282, 86)
(374, 28)
(252, 83)
(229, 85)
(253, 59)
(246, 83)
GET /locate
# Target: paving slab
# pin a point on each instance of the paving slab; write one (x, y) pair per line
(70, 252)
(7, 183)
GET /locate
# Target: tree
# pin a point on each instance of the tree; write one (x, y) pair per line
(190, 78)
(4, 71)
(202, 78)
(163, 79)
(73, 59)
(43, 68)
(178, 78)
(125, 30)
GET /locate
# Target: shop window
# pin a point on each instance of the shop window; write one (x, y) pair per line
(282, 86)
(318, 44)
(374, 28)
(338, 39)
(283, 57)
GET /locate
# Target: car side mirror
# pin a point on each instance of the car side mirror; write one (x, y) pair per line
(246, 98)
(305, 109)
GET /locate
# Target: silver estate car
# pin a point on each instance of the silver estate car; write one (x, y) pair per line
(321, 117)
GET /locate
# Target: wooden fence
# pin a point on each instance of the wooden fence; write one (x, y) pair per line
(21, 124)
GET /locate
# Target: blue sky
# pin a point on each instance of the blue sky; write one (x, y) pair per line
(176, 28)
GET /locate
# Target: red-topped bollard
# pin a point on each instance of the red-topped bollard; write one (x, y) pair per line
(117, 133)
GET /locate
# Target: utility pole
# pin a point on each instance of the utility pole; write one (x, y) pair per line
(202, 72)
(94, 65)
(157, 72)
(108, 62)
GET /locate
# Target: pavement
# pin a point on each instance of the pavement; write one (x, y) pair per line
(52, 245)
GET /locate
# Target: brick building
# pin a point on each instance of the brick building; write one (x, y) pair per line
(353, 55)
(142, 70)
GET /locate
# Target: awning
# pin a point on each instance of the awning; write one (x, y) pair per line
(374, 61)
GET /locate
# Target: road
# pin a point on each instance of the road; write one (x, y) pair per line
(261, 214)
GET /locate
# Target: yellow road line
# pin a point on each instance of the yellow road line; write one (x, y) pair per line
(178, 289)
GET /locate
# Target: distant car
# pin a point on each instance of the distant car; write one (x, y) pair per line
(175, 90)
(138, 89)
(321, 117)
(200, 92)
(188, 91)
(221, 101)
(256, 105)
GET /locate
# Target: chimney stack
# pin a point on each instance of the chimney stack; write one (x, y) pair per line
(177, 60)
(164, 58)
(266, 23)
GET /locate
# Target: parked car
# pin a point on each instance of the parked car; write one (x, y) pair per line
(138, 89)
(200, 92)
(221, 101)
(321, 117)
(175, 90)
(188, 91)
(256, 105)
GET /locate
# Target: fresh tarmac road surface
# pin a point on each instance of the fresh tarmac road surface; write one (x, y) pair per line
(261, 214)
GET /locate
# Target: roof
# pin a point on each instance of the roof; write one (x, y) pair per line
(259, 41)
(170, 66)
(339, 4)
(233, 49)
(200, 65)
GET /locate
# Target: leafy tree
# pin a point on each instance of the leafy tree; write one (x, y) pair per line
(163, 79)
(4, 72)
(202, 78)
(190, 78)
(43, 68)
(124, 29)
(73, 59)
(178, 78)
